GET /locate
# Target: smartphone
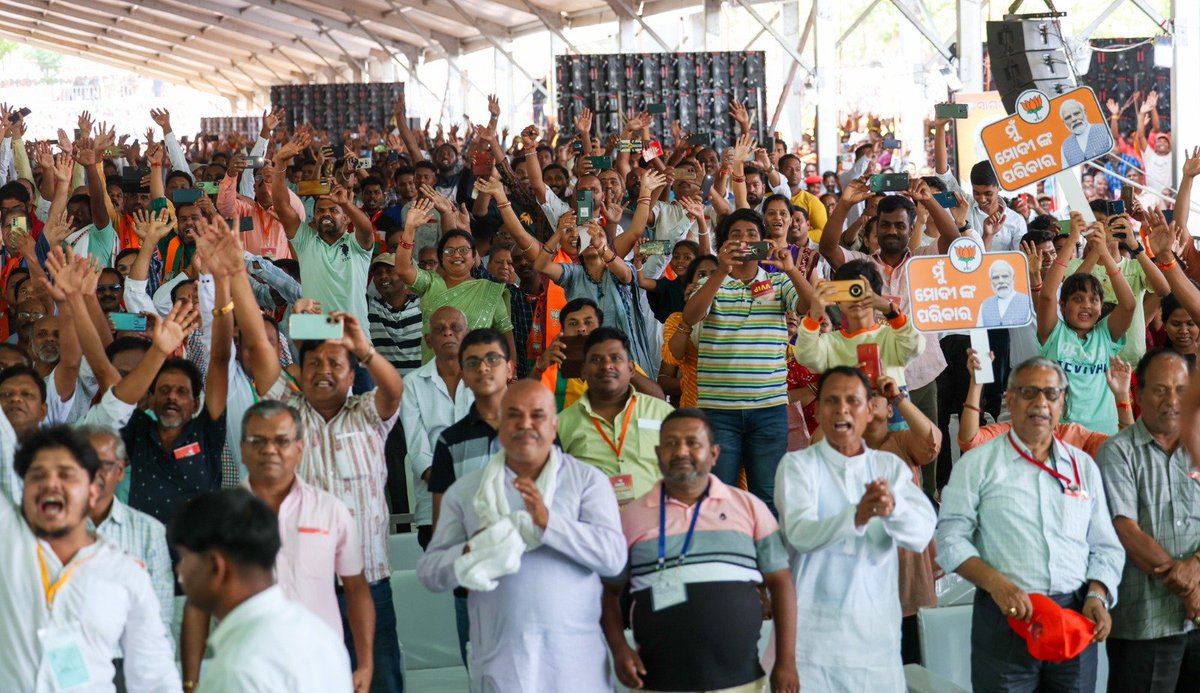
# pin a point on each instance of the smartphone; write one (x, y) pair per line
(889, 182)
(212, 138)
(313, 188)
(245, 224)
(379, 148)
(1064, 227)
(209, 188)
(758, 250)
(572, 365)
(577, 146)
(253, 162)
(631, 146)
(656, 248)
(892, 143)
(17, 115)
(848, 290)
(950, 110)
(158, 204)
(1169, 215)
(702, 139)
(1114, 207)
(600, 163)
(705, 186)
(131, 181)
(1127, 196)
(946, 199)
(128, 322)
(869, 363)
(583, 207)
(113, 151)
(656, 108)
(186, 196)
(304, 326)
(769, 145)
(20, 225)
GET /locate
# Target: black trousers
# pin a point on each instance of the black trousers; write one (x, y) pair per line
(1161, 665)
(1000, 659)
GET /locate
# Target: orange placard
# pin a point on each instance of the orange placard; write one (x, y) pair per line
(1046, 136)
(968, 288)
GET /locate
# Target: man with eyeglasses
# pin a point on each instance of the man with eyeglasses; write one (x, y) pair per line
(1026, 513)
(136, 533)
(317, 535)
(471, 441)
(110, 289)
(434, 398)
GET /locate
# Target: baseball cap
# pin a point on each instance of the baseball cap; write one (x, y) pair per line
(385, 258)
(1054, 634)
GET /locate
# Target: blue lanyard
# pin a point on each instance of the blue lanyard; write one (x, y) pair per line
(662, 528)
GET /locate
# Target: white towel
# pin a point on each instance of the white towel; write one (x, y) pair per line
(496, 551)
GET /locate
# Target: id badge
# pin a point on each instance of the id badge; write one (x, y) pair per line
(763, 290)
(1076, 493)
(667, 591)
(62, 657)
(622, 486)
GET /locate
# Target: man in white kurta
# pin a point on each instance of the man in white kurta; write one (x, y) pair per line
(534, 574)
(844, 510)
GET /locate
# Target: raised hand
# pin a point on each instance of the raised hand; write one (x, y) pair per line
(168, 334)
(272, 119)
(583, 121)
(419, 214)
(1119, 377)
(151, 228)
(85, 155)
(491, 185)
(1114, 108)
(84, 124)
(740, 115)
(493, 106)
(291, 149)
(340, 196)
(440, 203)
(161, 117)
(1191, 166)
(858, 190)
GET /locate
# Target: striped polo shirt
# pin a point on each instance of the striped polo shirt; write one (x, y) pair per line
(736, 540)
(741, 362)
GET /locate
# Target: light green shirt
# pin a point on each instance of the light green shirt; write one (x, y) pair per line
(1089, 401)
(580, 438)
(1135, 336)
(334, 274)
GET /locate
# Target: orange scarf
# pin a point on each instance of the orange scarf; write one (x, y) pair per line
(547, 322)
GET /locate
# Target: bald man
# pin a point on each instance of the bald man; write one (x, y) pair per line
(530, 535)
(434, 398)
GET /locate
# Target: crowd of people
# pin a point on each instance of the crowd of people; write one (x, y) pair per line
(624, 389)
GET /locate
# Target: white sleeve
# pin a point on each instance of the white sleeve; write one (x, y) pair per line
(137, 300)
(554, 208)
(246, 180)
(162, 297)
(110, 412)
(149, 655)
(175, 152)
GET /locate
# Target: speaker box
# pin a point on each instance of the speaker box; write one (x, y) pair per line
(1027, 55)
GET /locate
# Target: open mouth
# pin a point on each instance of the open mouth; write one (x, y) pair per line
(52, 506)
(843, 426)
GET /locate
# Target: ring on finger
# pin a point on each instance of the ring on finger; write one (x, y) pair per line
(1012, 611)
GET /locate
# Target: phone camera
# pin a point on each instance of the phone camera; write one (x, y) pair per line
(856, 291)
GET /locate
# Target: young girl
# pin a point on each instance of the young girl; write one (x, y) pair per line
(1081, 342)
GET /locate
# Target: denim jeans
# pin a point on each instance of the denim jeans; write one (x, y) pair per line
(362, 380)
(387, 677)
(752, 438)
(462, 620)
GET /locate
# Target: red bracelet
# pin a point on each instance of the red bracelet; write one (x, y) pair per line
(1113, 273)
(1125, 405)
(1061, 264)
(739, 179)
(503, 206)
(973, 408)
(155, 164)
(406, 244)
(1164, 266)
(643, 199)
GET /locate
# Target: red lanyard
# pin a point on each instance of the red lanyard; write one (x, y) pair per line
(624, 429)
(1066, 483)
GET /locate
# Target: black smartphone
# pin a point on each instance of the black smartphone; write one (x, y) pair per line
(892, 143)
(1114, 207)
(889, 182)
(946, 199)
(758, 250)
(1169, 215)
(572, 365)
(702, 139)
(656, 108)
(600, 163)
(950, 110)
(17, 115)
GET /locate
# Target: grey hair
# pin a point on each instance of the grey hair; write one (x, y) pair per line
(1037, 362)
(96, 431)
(1071, 102)
(267, 408)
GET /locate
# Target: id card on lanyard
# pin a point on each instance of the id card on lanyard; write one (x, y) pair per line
(1071, 489)
(667, 588)
(61, 642)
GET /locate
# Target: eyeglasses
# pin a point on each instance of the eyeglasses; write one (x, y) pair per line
(30, 316)
(108, 287)
(463, 250)
(1030, 392)
(492, 360)
(259, 443)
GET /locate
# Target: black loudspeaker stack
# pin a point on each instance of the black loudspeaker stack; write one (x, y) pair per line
(336, 107)
(694, 88)
(1027, 54)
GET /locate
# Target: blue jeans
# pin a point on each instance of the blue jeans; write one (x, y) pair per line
(752, 438)
(387, 677)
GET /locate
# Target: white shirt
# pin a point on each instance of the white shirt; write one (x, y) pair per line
(426, 410)
(145, 540)
(847, 577)
(1011, 230)
(108, 595)
(270, 644)
(1159, 172)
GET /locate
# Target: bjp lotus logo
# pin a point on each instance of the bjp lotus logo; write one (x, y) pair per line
(1033, 106)
(966, 254)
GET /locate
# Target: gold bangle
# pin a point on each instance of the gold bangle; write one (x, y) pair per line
(224, 310)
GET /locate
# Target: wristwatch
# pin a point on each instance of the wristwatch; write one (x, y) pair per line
(1134, 252)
